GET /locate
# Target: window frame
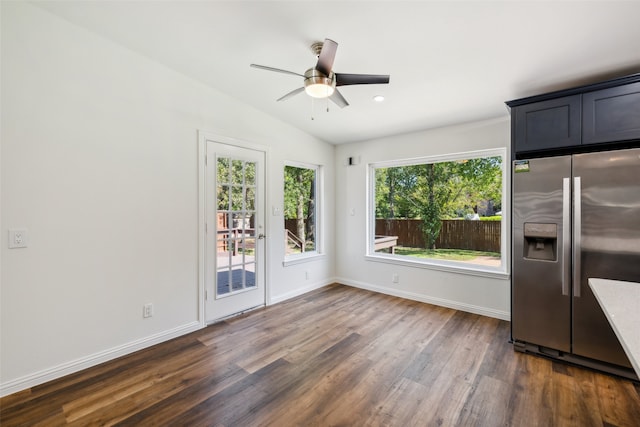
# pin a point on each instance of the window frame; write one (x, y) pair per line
(318, 252)
(501, 272)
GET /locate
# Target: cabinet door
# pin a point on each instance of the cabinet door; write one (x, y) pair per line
(548, 124)
(611, 114)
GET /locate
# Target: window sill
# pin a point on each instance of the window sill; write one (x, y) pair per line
(301, 259)
(449, 266)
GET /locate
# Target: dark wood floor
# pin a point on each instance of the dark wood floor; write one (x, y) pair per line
(338, 356)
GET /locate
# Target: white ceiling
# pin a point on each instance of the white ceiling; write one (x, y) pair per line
(449, 61)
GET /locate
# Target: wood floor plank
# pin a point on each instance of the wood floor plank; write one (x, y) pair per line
(532, 391)
(616, 407)
(334, 356)
(165, 385)
(487, 405)
(310, 402)
(449, 377)
(405, 399)
(165, 410)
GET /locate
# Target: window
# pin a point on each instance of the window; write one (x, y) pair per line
(441, 211)
(301, 210)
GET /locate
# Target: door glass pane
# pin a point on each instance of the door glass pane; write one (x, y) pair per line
(223, 171)
(223, 197)
(250, 199)
(236, 239)
(237, 175)
(250, 174)
(237, 197)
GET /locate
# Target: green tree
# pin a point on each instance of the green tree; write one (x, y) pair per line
(430, 208)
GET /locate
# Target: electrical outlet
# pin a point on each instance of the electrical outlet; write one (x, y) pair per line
(306, 275)
(395, 278)
(17, 238)
(147, 310)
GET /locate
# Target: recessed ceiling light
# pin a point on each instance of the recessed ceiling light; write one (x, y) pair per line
(378, 98)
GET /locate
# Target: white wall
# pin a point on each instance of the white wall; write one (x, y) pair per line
(99, 163)
(478, 294)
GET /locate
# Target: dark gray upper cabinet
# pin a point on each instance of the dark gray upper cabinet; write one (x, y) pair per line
(577, 119)
(611, 114)
(547, 124)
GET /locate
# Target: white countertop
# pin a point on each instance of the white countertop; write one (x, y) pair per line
(620, 302)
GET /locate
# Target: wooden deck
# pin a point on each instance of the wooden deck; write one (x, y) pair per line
(335, 356)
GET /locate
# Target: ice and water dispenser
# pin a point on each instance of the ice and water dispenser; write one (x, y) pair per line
(540, 241)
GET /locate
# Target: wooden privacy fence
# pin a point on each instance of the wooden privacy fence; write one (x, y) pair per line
(455, 234)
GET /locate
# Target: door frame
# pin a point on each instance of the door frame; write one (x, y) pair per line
(203, 138)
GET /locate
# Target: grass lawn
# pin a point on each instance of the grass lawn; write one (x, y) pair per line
(448, 254)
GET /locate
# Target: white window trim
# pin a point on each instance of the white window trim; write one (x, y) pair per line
(318, 253)
(501, 272)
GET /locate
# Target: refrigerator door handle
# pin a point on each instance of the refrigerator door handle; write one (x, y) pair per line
(566, 235)
(577, 238)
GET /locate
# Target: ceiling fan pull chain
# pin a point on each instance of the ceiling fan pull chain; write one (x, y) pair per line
(312, 109)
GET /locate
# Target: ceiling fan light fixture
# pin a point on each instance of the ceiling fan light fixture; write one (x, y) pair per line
(319, 90)
(318, 85)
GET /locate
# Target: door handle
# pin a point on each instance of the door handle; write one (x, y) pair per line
(261, 236)
(577, 237)
(566, 235)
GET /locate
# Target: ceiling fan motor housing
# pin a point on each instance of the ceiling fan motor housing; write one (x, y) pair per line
(319, 85)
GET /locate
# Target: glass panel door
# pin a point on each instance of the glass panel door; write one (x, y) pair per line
(235, 241)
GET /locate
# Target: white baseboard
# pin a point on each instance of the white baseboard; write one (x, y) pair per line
(300, 291)
(483, 311)
(77, 365)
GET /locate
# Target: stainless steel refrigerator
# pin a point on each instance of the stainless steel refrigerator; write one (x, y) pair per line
(575, 217)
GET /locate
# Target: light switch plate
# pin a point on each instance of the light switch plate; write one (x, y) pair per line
(18, 238)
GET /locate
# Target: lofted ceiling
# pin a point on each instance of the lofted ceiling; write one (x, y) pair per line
(449, 61)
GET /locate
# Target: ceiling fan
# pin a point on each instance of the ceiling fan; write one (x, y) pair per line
(321, 82)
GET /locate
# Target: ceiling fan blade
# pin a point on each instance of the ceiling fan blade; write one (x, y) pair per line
(291, 94)
(277, 70)
(361, 79)
(338, 99)
(326, 57)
